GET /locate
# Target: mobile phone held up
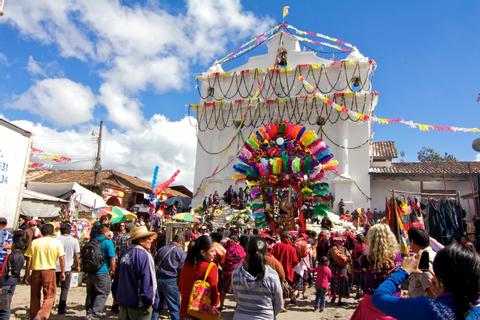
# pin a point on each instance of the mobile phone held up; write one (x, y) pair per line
(424, 264)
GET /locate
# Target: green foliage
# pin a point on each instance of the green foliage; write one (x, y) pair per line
(427, 154)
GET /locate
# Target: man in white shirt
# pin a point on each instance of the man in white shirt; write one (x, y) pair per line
(72, 255)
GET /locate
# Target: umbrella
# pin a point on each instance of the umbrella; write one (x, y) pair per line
(185, 216)
(118, 214)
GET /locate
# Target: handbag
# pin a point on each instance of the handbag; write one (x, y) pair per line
(200, 302)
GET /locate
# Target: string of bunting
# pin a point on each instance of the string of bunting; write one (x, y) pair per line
(49, 156)
(40, 159)
(261, 38)
(313, 66)
(365, 117)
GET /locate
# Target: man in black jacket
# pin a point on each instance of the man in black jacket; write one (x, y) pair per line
(10, 275)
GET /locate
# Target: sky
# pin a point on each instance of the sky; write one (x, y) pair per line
(67, 64)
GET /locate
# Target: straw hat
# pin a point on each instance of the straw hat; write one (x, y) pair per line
(141, 232)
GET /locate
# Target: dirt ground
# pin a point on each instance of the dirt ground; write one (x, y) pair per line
(76, 298)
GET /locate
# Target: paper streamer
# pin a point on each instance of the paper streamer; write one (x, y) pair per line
(299, 35)
(364, 117)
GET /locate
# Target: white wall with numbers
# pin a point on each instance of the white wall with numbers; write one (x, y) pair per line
(14, 157)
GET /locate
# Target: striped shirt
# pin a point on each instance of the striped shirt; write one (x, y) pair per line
(5, 238)
(260, 300)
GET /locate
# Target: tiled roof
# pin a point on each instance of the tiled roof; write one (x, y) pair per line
(86, 179)
(439, 168)
(382, 150)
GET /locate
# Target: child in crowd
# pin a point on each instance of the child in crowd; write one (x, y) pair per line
(321, 284)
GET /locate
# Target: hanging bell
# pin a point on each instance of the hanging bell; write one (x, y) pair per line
(283, 59)
(356, 84)
(210, 92)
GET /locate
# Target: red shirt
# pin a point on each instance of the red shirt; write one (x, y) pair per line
(189, 275)
(287, 255)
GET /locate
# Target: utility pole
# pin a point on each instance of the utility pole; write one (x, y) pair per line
(98, 165)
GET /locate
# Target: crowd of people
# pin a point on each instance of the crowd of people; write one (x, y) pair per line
(265, 271)
(235, 198)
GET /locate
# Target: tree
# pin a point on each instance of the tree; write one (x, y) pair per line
(427, 154)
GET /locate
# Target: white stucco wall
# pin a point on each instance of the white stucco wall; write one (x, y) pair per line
(354, 163)
(381, 188)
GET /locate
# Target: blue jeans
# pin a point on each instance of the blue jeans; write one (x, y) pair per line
(6, 294)
(320, 297)
(5, 314)
(169, 293)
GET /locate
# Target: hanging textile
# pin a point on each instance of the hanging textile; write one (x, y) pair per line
(444, 219)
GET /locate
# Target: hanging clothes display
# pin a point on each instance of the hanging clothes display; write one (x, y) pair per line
(401, 215)
(443, 219)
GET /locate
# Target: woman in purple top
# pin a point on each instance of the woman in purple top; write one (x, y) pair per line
(380, 259)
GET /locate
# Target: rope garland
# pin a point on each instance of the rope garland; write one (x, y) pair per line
(342, 146)
(234, 85)
(361, 191)
(299, 109)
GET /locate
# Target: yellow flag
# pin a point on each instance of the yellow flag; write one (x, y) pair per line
(285, 11)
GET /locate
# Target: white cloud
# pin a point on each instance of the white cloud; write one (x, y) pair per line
(132, 49)
(135, 152)
(133, 74)
(160, 142)
(137, 48)
(50, 22)
(122, 110)
(3, 59)
(44, 69)
(60, 100)
(33, 67)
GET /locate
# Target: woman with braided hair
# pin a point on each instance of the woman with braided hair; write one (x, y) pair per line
(456, 285)
(257, 287)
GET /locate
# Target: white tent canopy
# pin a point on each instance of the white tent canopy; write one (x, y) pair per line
(82, 197)
(36, 204)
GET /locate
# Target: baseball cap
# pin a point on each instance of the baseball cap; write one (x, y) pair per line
(32, 223)
(3, 221)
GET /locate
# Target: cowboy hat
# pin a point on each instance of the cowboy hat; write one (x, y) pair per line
(141, 232)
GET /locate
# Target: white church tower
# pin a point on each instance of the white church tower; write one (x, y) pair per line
(266, 89)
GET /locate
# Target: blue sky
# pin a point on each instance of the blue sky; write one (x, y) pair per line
(427, 55)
